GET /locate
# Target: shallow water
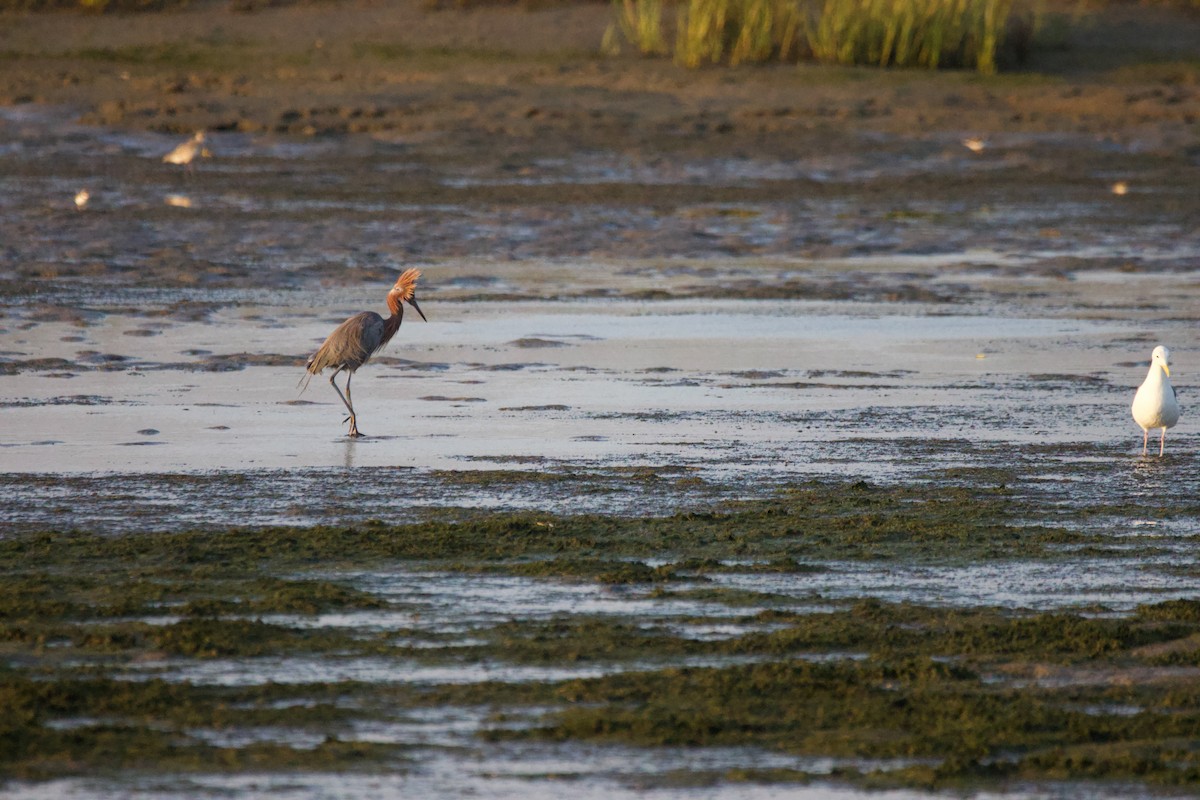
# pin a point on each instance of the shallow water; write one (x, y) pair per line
(757, 382)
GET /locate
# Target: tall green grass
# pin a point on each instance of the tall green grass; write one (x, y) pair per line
(902, 33)
(910, 33)
(736, 31)
(641, 23)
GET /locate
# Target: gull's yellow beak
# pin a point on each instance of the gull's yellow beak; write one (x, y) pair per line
(1167, 370)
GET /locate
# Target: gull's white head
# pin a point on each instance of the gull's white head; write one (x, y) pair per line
(1161, 358)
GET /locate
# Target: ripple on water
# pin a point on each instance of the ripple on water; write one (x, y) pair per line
(440, 775)
(301, 670)
(1119, 585)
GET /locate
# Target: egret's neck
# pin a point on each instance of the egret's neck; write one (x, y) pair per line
(393, 304)
(392, 323)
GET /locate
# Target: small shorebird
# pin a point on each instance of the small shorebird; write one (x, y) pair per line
(354, 341)
(185, 152)
(1119, 188)
(974, 144)
(81, 198)
(1154, 405)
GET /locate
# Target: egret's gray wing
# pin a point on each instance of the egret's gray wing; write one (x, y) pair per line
(350, 344)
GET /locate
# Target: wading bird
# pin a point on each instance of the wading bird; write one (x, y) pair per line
(185, 152)
(354, 341)
(1154, 405)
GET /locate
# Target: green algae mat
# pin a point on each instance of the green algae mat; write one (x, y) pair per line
(937, 636)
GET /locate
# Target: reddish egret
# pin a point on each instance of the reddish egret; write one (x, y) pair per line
(354, 341)
(1154, 405)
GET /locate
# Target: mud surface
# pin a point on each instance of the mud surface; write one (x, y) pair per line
(741, 391)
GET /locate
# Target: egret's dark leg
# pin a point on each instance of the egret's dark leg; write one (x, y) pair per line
(353, 421)
(345, 402)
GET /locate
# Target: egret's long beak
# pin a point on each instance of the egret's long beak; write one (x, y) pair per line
(412, 301)
(1166, 369)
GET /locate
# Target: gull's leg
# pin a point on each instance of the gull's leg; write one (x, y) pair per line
(1145, 440)
(1162, 443)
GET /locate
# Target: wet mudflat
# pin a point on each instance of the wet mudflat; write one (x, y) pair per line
(793, 464)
